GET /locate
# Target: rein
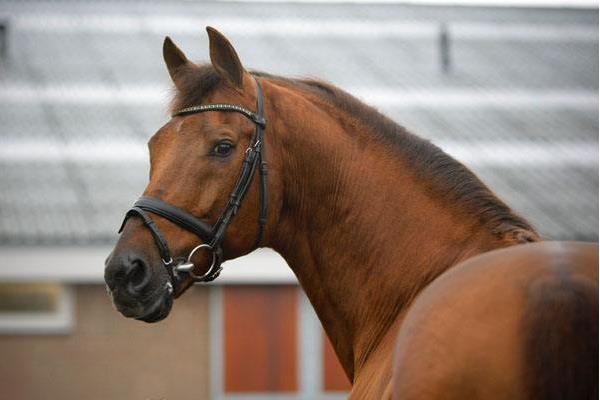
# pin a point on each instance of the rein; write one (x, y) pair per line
(211, 235)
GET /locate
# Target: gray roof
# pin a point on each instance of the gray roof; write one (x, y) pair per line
(83, 86)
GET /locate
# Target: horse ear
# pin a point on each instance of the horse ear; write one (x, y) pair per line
(175, 60)
(224, 58)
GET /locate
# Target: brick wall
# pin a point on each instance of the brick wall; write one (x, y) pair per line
(107, 356)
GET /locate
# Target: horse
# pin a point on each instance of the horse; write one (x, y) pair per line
(426, 283)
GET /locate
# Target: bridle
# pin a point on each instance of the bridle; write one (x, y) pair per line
(211, 235)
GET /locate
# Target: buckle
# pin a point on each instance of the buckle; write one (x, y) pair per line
(259, 120)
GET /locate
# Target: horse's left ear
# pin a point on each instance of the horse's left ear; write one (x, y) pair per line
(224, 58)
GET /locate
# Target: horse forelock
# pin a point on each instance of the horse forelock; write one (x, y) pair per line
(193, 86)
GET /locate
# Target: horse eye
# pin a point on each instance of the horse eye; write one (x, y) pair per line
(222, 149)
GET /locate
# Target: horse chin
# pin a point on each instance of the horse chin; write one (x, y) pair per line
(158, 310)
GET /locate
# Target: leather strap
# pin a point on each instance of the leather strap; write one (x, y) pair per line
(257, 117)
(160, 241)
(176, 215)
(264, 201)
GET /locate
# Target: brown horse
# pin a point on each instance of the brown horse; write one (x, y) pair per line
(426, 283)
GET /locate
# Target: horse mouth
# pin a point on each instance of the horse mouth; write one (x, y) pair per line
(159, 310)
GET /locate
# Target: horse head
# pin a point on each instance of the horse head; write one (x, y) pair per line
(204, 202)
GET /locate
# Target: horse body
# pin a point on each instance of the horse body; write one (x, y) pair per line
(362, 300)
(504, 325)
(391, 239)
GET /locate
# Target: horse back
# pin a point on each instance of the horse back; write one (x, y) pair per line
(560, 325)
(515, 323)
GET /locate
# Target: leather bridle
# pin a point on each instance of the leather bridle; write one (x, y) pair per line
(211, 235)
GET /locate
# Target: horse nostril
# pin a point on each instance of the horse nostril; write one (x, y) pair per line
(138, 275)
(128, 272)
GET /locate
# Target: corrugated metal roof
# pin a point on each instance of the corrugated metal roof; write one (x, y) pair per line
(84, 86)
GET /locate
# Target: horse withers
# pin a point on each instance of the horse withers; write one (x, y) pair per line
(427, 284)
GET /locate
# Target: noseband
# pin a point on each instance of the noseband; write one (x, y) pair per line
(211, 235)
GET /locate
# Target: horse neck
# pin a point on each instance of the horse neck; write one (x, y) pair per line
(358, 228)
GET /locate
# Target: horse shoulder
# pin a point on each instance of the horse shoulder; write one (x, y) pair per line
(465, 336)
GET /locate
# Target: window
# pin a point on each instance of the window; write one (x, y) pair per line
(35, 308)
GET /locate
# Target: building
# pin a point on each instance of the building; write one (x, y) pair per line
(511, 92)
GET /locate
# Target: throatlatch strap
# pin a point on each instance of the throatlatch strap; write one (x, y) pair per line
(264, 200)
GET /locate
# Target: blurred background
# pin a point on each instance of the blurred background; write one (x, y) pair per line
(510, 89)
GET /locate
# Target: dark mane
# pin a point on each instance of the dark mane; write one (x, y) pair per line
(448, 178)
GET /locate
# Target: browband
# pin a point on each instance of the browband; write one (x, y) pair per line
(255, 117)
